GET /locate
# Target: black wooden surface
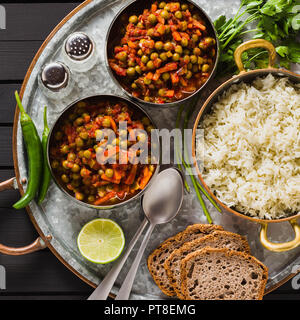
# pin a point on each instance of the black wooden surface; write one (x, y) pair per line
(39, 275)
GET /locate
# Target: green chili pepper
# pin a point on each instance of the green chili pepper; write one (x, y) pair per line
(46, 172)
(34, 153)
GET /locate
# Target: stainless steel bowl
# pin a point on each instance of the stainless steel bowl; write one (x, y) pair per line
(98, 98)
(114, 36)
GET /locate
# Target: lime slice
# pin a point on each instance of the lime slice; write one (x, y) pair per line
(101, 241)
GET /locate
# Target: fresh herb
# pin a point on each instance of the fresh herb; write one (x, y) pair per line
(277, 21)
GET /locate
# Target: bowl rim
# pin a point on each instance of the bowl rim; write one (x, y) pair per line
(215, 93)
(168, 104)
(62, 113)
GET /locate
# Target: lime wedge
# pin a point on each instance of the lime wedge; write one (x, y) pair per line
(101, 241)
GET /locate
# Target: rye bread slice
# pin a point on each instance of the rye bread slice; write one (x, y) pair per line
(222, 274)
(158, 257)
(218, 239)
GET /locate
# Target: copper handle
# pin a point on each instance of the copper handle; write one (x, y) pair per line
(280, 247)
(258, 43)
(38, 244)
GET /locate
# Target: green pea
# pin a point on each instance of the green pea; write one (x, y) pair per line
(200, 60)
(138, 69)
(75, 168)
(147, 98)
(186, 52)
(195, 37)
(184, 7)
(159, 45)
(91, 199)
(79, 196)
(71, 156)
(161, 29)
(176, 57)
(202, 45)
(166, 76)
(168, 46)
(154, 56)
(83, 135)
(183, 25)
(190, 66)
(109, 173)
(122, 56)
(76, 176)
(193, 59)
(205, 67)
(162, 5)
(140, 25)
(150, 32)
(209, 41)
(197, 51)
(184, 42)
(144, 59)
(134, 86)
(150, 65)
(133, 19)
(65, 164)
(178, 14)
(79, 121)
(152, 18)
(100, 172)
(189, 74)
(165, 14)
(186, 59)
(163, 56)
(106, 122)
(140, 52)
(147, 81)
(131, 63)
(178, 49)
(130, 72)
(64, 149)
(87, 154)
(65, 178)
(161, 92)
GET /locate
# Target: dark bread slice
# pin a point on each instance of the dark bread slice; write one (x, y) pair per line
(222, 274)
(218, 239)
(158, 257)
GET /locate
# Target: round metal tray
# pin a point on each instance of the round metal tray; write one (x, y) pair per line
(59, 220)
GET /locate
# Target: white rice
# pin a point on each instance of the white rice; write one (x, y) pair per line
(252, 148)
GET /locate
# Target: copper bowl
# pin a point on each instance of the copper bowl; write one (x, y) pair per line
(115, 99)
(249, 77)
(114, 36)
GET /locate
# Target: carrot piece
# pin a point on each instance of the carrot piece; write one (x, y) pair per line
(149, 75)
(156, 76)
(176, 36)
(112, 123)
(199, 25)
(168, 67)
(130, 179)
(116, 178)
(183, 82)
(170, 93)
(146, 177)
(153, 7)
(174, 77)
(107, 197)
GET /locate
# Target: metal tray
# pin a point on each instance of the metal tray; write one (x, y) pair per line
(59, 221)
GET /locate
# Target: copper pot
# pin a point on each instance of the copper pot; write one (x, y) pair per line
(248, 77)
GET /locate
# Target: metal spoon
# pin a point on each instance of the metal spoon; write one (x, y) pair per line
(161, 204)
(156, 200)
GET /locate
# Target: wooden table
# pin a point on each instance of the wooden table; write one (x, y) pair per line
(39, 275)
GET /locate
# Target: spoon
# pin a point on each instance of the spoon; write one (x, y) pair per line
(154, 201)
(161, 203)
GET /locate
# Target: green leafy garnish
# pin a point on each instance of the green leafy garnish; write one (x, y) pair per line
(277, 21)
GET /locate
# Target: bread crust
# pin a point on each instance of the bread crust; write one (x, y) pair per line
(179, 239)
(187, 246)
(228, 253)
